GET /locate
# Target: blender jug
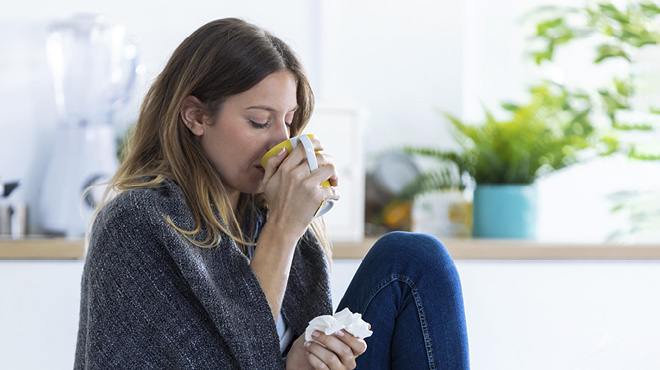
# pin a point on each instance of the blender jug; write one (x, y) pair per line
(92, 64)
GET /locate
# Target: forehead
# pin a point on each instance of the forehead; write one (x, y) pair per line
(277, 91)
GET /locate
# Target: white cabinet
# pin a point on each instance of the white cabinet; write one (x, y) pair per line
(540, 315)
(39, 306)
(341, 131)
(549, 315)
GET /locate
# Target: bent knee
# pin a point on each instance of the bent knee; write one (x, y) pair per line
(413, 248)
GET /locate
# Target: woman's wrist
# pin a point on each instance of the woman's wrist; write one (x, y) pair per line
(277, 234)
(287, 229)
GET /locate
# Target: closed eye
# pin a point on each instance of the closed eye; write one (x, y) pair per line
(259, 125)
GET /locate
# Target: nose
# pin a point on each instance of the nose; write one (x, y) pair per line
(279, 133)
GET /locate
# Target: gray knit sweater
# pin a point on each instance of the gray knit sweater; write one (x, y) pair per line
(152, 300)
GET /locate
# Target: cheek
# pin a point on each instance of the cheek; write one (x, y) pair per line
(216, 149)
(231, 145)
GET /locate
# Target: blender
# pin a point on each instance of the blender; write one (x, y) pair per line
(92, 64)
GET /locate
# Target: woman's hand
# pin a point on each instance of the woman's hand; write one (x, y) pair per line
(293, 192)
(334, 352)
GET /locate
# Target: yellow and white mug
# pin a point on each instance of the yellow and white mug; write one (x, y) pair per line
(306, 141)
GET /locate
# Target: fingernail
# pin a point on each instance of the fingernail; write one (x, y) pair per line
(307, 344)
(341, 333)
(281, 152)
(315, 334)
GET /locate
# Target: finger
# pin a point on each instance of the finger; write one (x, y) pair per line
(327, 356)
(324, 160)
(358, 346)
(318, 145)
(336, 345)
(296, 158)
(273, 163)
(323, 193)
(321, 174)
(330, 193)
(316, 362)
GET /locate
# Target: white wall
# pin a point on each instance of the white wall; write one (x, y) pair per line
(400, 62)
(27, 113)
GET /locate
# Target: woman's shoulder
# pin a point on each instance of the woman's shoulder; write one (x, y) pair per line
(146, 204)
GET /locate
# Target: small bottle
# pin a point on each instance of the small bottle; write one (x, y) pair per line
(7, 213)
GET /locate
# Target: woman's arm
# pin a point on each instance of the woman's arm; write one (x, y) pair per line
(293, 194)
(271, 263)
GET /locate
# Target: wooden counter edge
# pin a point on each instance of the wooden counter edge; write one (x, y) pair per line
(459, 249)
(42, 249)
(490, 249)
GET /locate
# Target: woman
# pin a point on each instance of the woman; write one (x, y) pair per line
(206, 260)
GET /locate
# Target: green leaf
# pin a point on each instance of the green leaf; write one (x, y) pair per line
(647, 42)
(431, 182)
(539, 57)
(543, 27)
(611, 11)
(623, 86)
(631, 127)
(613, 102)
(617, 208)
(510, 107)
(642, 156)
(650, 9)
(610, 51)
(434, 153)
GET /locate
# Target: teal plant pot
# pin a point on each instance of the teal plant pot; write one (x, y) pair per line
(505, 211)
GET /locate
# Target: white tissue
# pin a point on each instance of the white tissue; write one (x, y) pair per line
(344, 319)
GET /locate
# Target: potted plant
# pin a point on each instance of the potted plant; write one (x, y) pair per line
(503, 158)
(556, 127)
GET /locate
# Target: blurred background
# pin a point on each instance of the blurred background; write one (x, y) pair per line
(402, 67)
(392, 80)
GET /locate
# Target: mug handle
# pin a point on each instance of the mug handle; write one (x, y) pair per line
(309, 152)
(327, 204)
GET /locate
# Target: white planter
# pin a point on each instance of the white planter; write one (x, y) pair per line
(445, 213)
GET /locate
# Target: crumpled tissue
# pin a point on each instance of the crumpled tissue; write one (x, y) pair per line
(344, 319)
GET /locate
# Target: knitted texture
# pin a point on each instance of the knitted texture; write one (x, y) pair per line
(150, 299)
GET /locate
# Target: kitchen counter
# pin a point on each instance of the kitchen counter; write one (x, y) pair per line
(42, 249)
(460, 249)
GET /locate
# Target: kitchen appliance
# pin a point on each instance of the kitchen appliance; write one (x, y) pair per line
(9, 214)
(92, 64)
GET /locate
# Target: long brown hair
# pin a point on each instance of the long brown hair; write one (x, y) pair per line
(222, 58)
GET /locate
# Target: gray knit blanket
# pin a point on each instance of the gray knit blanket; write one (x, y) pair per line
(150, 299)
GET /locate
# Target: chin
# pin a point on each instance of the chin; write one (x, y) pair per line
(253, 192)
(253, 188)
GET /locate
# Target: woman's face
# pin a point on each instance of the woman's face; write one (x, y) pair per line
(247, 125)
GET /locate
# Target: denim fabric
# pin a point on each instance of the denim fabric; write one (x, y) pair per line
(408, 289)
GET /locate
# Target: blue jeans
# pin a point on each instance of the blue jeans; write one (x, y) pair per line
(408, 289)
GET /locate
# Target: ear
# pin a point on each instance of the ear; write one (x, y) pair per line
(192, 113)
